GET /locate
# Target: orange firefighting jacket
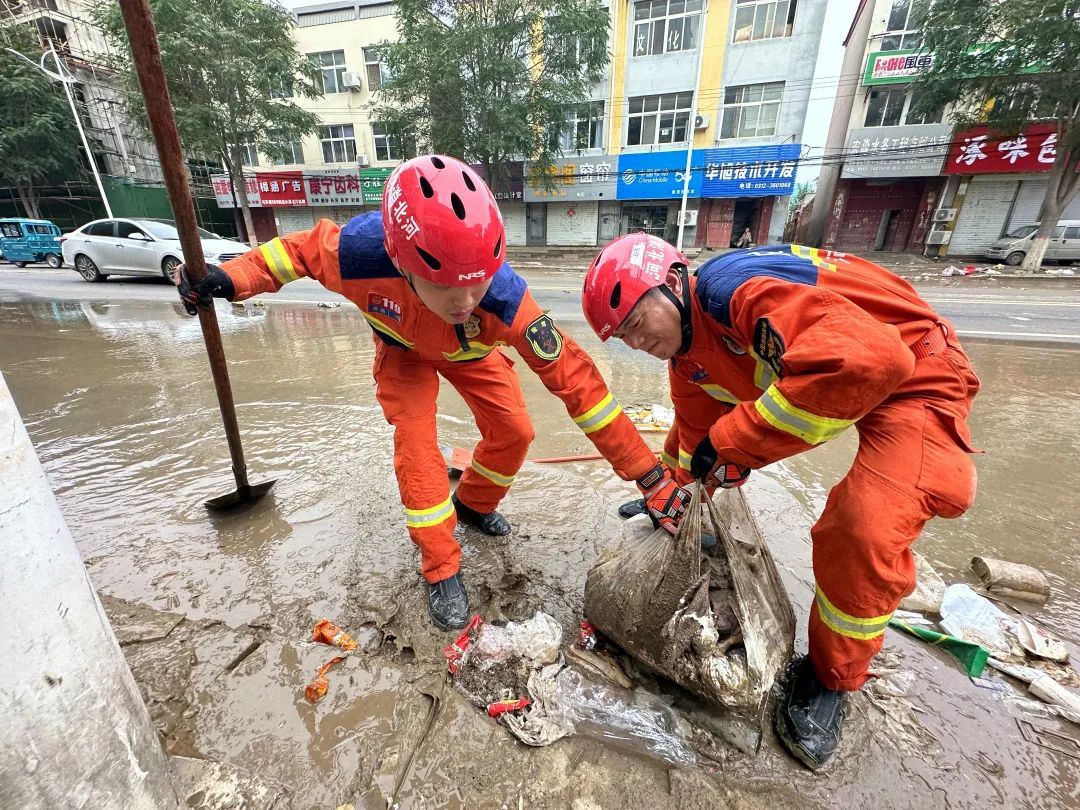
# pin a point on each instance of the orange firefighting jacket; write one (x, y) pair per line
(791, 346)
(352, 261)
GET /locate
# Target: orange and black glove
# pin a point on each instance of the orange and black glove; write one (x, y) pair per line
(216, 284)
(665, 499)
(705, 466)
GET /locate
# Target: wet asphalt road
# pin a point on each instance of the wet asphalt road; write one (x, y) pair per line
(1017, 310)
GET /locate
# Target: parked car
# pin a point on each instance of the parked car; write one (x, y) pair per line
(136, 247)
(1013, 247)
(30, 240)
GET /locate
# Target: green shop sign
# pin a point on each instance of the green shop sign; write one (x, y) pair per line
(371, 184)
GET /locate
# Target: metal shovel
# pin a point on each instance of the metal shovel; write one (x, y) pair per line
(142, 35)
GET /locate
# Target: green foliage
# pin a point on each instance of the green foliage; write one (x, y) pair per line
(490, 80)
(38, 140)
(221, 59)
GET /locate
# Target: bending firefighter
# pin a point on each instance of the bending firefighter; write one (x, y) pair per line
(428, 274)
(772, 352)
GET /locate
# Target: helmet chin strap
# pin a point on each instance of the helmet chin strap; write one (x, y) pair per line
(684, 309)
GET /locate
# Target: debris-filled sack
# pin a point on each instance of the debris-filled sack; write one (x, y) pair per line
(705, 609)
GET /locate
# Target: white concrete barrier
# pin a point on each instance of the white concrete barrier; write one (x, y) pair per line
(74, 732)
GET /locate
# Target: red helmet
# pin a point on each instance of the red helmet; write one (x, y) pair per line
(626, 269)
(442, 223)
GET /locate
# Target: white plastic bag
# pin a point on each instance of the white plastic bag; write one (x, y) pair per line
(975, 618)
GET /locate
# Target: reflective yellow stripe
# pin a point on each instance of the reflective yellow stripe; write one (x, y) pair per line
(814, 255)
(809, 427)
(717, 392)
(667, 460)
(421, 518)
(599, 416)
(684, 459)
(474, 352)
(764, 376)
(491, 475)
(379, 326)
(277, 259)
(847, 625)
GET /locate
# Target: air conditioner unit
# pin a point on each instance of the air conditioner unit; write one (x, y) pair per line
(701, 122)
(945, 215)
(362, 161)
(938, 237)
(689, 218)
(353, 81)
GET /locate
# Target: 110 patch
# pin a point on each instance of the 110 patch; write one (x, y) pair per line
(544, 338)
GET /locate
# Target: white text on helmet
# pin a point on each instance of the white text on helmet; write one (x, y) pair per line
(637, 254)
(468, 276)
(404, 220)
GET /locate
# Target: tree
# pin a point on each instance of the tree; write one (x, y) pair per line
(1026, 68)
(231, 66)
(490, 81)
(38, 142)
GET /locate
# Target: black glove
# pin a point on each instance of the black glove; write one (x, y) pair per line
(705, 466)
(217, 284)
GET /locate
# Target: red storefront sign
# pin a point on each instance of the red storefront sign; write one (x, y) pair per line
(980, 151)
(282, 188)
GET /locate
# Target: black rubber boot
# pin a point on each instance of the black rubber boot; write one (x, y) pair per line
(809, 716)
(488, 522)
(632, 508)
(448, 603)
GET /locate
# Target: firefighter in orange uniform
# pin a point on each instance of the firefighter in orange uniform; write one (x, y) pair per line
(773, 351)
(428, 274)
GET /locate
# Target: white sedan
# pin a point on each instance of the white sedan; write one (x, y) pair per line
(136, 247)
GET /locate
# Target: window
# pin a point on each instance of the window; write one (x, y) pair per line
(332, 64)
(763, 19)
(126, 229)
(338, 143)
(103, 228)
(658, 119)
(45, 230)
(751, 110)
(11, 230)
(387, 147)
(294, 154)
(893, 107)
(249, 155)
(374, 69)
(904, 29)
(584, 128)
(663, 26)
(281, 87)
(1072, 232)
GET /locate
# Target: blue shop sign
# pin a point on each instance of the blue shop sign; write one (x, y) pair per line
(750, 171)
(657, 175)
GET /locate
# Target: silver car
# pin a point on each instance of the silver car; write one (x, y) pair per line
(1064, 244)
(136, 247)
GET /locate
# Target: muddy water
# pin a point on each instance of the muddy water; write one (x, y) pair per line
(117, 400)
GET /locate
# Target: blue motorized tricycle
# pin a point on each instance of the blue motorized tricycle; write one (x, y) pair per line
(30, 240)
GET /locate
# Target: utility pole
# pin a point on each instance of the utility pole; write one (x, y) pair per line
(690, 124)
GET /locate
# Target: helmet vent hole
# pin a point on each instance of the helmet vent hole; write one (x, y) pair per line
(425, 187)
(599, 256)
(498, 247)
(459, 206)
(438, 163)
(468, 181)
(430, 260)
(616, 295)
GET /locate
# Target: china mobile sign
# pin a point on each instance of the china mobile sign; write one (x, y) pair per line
(980, 151)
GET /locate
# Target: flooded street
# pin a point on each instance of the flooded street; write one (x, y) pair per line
(118, 402)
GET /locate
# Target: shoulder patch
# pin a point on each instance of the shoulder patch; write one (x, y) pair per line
(719, 279)
(544, 338)
(361, 254)
(768, 344)
(504, 295)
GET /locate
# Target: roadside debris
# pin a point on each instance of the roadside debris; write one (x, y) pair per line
(1041, 643)
(315, 690)
(1042, 685)
(326, 632)
(1010, 579)
(971, 655)
(971, 617)
(651, 418)
(929, 588)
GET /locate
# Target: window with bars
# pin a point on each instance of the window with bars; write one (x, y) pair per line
(332, 65)
(659, 119)
(763, 19)
(249, 155)
(387, 146)
(295, 154)
(663, 26)
(751, 110)
(338, 143)
(893, 107)
(584, 128)
(374, 69)
(904, 28)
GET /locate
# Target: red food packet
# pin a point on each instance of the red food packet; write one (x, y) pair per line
(455, 652)
(326, 632)
(317, 688)
(586, 639)
(503, 706)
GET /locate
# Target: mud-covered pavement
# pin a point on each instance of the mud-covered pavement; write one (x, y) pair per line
(215, 612)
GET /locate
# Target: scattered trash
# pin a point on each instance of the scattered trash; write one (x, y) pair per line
(1049, 739)
(929, 588)
(971, 655)
(651, 418)
(912, 618)
(1041, 684)
(536, 640)
(503, 706)
(600, 665)
(326, 632)
(888, 693)
(455, 650)
(986, 683)
(1041, 643)
(1059, 271)
(953, 270)
(586, 639)
(315, 690)
(329, 304)
(1011, 579)
(971, 617)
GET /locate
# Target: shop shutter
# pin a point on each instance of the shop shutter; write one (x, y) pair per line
(983, 215)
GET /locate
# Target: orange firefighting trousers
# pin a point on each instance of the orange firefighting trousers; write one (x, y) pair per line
(407, 388)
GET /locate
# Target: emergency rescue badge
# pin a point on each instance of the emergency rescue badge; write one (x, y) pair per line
(544, 338)
(384, 306)
(732, 346)
(472, 326)
(768, 345)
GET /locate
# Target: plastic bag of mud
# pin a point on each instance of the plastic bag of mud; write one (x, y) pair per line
(714, 619)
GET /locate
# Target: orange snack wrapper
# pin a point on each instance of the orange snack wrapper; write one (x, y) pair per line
(326, 632)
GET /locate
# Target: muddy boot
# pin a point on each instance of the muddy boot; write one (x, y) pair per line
(448, 603)
(808, 717)
(488, 522)
(632, 508)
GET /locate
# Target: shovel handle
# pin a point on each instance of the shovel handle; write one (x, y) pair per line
(139, 21)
